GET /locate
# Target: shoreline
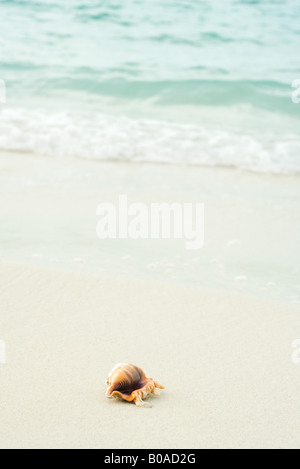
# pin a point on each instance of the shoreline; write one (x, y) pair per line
(79, 270)
(149, 226)
(251, 223)
(231, 383)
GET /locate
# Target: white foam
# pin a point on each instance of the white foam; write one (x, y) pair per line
(126, 258)
(233, 242)
(241, 278)
(101, 137)
(78, 260)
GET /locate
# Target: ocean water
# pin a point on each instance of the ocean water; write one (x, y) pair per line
(188, 85)
(191, 82)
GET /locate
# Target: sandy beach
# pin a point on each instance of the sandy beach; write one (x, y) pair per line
(149, 214)
(225, 360)
(215, 326)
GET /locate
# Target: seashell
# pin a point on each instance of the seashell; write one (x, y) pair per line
(129, 382)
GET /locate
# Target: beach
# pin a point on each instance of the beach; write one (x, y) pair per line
(251, 222)
(225, 361)
(215, 325)
(182, 117)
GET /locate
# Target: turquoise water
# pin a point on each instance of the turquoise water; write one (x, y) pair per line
(181, 81)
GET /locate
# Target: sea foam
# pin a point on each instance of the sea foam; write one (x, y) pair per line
(111, 138)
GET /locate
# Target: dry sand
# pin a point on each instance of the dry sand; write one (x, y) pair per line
(225, 361)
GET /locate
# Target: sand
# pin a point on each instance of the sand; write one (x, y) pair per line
(252, 222)
(225, 360)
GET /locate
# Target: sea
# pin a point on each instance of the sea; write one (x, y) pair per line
(185, 82)
(164, 101)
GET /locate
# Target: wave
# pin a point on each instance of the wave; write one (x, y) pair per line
(109, 138)
(268, 95)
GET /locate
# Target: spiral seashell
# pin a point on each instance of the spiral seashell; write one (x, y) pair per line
(129, 382)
